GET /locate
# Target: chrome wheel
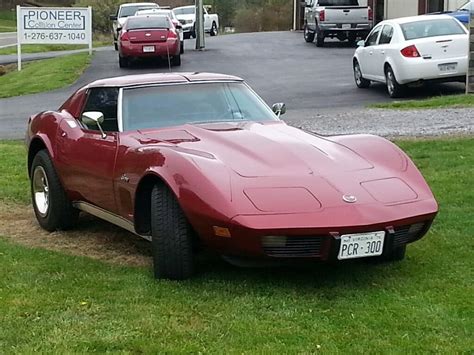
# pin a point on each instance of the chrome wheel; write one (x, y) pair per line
(41, 191)
(357, 74)
(390, 82)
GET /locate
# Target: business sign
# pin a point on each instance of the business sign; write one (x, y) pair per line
(53, 25)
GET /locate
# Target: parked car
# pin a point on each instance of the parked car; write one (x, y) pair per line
(193, 160)
(343, 19)
(464, 12)
(412, 50)
(149, 36)
(124, 11)
(187, 16)
(171, 15)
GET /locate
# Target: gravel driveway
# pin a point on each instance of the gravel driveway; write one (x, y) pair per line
(389, 123)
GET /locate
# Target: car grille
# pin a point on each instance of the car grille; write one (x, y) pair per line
(292, 247)
(407, 234)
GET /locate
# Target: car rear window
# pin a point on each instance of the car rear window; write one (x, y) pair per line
(153, 21)
(431, 28)
(339, 3)
(127, 11)
(184, 10)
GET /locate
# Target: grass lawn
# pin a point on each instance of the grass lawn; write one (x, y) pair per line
(51, 302)
(38, 48)
(451, 101)
(7, 21)
(43, 75)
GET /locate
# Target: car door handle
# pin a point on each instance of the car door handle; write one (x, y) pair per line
(383, 52)
(371, 52)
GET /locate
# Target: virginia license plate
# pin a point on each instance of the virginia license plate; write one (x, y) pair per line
(447, 67)
(346, 26)
(148, 49)
(361, 245)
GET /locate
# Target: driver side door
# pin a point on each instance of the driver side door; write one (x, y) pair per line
(86, 158)
(368, 54)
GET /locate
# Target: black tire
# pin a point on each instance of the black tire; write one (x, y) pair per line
(193, 32)
(116, 46)
(359, 79)
(176, 60)
(308, 35)
(187, 35)
(57, 213)
(123, 62)
(214, 31)
(394, 89)
(172, 237)
(319, 38)
(181, 48)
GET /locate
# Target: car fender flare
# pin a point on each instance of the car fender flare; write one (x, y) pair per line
(39, 142)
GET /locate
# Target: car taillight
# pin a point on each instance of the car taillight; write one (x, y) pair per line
(371, 14)
(124, 36)
(322, 15)
(410, 52)
(172, 34)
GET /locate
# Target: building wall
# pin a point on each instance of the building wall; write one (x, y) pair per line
(400, 8)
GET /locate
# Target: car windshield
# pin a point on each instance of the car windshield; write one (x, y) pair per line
(339, 3)
(174, 105)
(127, 11)
(184, 10)
(431, 28)
(142, 22)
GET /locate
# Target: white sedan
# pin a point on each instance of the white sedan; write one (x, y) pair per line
(173, 18)
(412, 50)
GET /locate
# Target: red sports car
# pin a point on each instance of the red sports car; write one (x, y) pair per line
(146, 36)
(193, 159)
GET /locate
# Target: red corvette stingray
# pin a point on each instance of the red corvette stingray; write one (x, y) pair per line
(193, 159)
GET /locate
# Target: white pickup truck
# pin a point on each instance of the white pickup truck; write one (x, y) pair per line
(187, 16)
(343, 19)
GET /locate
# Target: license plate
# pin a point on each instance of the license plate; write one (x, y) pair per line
(148, 49)
(361, 245)
(447, 67)
(346, 26)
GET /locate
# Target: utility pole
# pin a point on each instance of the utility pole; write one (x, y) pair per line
(199, 25)
(470, 70)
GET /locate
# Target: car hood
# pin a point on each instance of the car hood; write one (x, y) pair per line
(264, 150)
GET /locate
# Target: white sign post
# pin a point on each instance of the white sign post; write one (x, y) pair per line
(53, 25)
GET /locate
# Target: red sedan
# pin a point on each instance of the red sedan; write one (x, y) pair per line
(149, 36)
(193, 159)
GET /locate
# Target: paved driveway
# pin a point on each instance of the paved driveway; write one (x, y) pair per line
(280, 66)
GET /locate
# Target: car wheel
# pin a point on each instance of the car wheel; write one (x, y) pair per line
(176, 61)
(358, 77)
(172, 237)
(319, 39)
(52, 207)
(186, 35)
(394, 89)
(123, 62)
(116, 46)
(308, 35)
(214, 30)
(181, 47)
(193, 32)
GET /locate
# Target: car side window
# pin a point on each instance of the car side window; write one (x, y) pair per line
(372, 39)
(386, 35)
(105, 101)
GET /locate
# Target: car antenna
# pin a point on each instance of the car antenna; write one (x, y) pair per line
(168, 52)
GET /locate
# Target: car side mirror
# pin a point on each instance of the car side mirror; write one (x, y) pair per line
(94, 118)
(361, 44)
(113, 17)
(279, 108)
